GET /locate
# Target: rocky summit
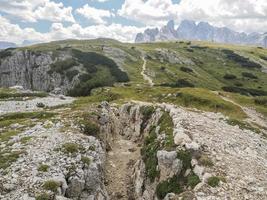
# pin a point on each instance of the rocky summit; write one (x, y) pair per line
(202, 31)
(106, 120)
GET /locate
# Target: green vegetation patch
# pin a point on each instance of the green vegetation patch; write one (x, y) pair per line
(166, 126)
(5, 53)
(25, 139)
(193, 180)
(43, 168)
(149, 154)
(89, 128)
(262, 101)
(100, 71)
(229, 76)
(245, 91)
(180, 83)
(62, 66)
(51, 185)
(215, 180)
(147, 112)
(6, 136)
(186, 69)
(43, 196)
(85, 160)
(7, 158)
(205, 161)
(249, 75)
(27, 115)
(72, 148)
(185, 157)
(15, 95)
(244, 62)
(242, 125)
(169, 186)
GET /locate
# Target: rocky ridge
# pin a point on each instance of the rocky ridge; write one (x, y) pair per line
(203, 31)
(196, 133)
(188, 149)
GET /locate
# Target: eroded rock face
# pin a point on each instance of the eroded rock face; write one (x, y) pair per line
(30, 70)
(200, 134)
(168, 164)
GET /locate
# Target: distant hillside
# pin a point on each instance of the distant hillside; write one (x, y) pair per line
(76, 67)
(203, 31)
(5, 45)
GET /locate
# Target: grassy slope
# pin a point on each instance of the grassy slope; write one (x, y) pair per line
(209, 64)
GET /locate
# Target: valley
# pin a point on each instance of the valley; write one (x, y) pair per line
(100, 119)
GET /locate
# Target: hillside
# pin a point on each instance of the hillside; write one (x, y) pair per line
(169, 120)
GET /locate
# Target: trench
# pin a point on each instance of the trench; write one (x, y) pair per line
(120, 162)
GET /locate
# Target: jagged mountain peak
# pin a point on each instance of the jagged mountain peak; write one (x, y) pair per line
(190, 30)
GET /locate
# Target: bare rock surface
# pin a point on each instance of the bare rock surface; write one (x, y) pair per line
(32, 104)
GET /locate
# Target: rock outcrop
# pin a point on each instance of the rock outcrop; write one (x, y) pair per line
(31, 70)
(193, 160)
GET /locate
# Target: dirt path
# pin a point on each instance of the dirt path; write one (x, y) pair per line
(143, 73)
(253, 115)
(119, 167)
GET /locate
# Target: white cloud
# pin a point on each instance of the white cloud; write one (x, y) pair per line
(115, 31)
(241, 15)
(33, 10)
(14, 33)
(94, 14)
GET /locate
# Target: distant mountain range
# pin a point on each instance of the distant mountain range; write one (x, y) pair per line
(203, 31)
(5, 45)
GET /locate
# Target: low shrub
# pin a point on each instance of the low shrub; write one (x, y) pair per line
(249, 75)
(5, 53)
(147, 112)
(205, 161)
(185, 157)
(71, 74)
(244, 91)
(89, 128)
(263, 57)
(186, 69)
(261, 101)
(242, 125)
(180, 83)
(244, 62)
(86, 160)
(62, 66)
(229, 76)
(198, 47)
(193, 180)
(40, 105)
(166, 126)
(189, 50)
(214, 181)
(162, 68)
(43, 168)
(51, 185)
(43, 196)
(71, 148)
(149, 155)
(169, 186)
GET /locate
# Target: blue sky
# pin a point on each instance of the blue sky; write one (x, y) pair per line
(46, 20)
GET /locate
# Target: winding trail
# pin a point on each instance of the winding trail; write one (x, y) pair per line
(253, 115)
(143, 73)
